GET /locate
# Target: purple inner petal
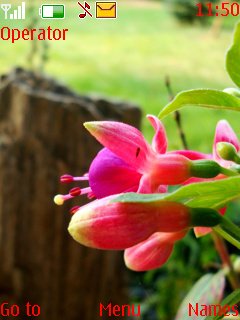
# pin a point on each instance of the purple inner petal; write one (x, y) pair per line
(110, 175)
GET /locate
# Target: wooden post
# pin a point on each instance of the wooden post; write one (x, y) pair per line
(42, 137)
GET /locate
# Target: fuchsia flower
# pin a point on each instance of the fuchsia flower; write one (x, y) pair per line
(128, 163)
(154, 167)
(109, 224)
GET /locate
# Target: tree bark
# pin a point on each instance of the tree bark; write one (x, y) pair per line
(41, 138)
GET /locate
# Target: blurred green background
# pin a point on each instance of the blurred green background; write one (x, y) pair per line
(128, 58)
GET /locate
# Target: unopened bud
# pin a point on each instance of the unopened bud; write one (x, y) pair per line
(105, 224)
(227, 151)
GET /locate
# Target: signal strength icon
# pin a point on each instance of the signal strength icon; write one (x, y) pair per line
(18, 14)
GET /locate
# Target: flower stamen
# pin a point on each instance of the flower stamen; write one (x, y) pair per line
(67, 178)
(74, 192)
(74, 209)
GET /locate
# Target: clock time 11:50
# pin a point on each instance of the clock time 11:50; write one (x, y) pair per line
(224, 9)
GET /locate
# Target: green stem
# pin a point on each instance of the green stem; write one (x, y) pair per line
(229, 231)
(228, 172)
(237, 159)
(236, 167)
(227, 237)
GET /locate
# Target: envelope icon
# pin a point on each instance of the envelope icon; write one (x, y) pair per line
(106, 9)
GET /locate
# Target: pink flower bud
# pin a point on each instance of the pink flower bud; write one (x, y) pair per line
(105, 224)
(224, 133)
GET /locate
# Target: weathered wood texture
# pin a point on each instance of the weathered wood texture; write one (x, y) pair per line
(42, 137)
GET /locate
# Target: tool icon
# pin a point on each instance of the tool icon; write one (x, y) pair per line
(85, 7)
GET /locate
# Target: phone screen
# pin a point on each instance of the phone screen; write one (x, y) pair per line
(114, 111)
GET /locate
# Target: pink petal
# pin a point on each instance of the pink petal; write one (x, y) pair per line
(151, 253)
(147, 185)
(123, 140)
(159, 142)
(201, 231)
(162, 189)
(109, 175)
(148, 255)
(224, 133)
(192, 155)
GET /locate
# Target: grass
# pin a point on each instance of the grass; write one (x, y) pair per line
(128, 58)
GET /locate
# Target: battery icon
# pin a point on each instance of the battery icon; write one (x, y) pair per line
(52, 11)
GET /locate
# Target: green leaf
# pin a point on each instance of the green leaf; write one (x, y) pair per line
(233, 58)
(230, 300)
(140, 197)
(212, 194)
(207, 98)
(207, 290)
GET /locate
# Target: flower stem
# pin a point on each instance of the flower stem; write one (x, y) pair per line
(229, 231)
(228, 172)
(177, 115)
(221, 248)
